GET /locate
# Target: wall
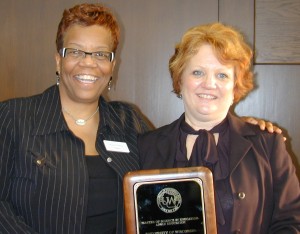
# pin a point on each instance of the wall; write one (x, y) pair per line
(150, 30)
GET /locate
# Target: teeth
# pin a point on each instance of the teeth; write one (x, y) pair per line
(86, 78)
(207, 96)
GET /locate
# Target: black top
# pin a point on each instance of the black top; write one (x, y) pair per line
(265, 187)
(216, 157)
(102, 206)
(43, 183)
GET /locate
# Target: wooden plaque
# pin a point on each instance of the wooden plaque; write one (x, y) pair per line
(177, 200)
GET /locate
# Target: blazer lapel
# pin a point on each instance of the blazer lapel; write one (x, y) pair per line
(239, 148)
(166, 148)
(167, 144)
(239, 145)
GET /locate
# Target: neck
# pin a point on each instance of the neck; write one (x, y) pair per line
(81, 121)
(204, 123)
(80, 111)
(77, 108)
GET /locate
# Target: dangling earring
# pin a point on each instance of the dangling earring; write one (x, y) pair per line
(57, 78)
(109, 84)
(179, 96)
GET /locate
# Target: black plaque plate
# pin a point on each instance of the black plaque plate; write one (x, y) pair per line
(179, 200)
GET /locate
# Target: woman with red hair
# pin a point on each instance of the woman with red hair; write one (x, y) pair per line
(256, 187)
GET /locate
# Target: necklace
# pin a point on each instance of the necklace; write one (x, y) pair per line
(81, 122)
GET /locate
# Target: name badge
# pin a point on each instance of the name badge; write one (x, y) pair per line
(116, 146)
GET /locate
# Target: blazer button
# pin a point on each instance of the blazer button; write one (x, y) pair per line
(241, 195)
(40, 162)
(109, 159)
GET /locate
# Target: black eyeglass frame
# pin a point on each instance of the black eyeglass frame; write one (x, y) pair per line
(63, 51)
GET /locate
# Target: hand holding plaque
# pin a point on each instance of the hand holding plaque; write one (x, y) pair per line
(178, 200)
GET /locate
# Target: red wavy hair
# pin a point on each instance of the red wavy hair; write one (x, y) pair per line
(230, 49)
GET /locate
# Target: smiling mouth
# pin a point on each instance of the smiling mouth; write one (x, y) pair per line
(207, 96)
(87, 79)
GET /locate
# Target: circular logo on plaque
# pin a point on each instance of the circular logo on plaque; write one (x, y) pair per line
(169, 200)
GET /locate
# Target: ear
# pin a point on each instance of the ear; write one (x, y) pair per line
(58, 62)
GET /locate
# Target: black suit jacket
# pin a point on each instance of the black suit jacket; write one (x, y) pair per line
(260, 169)
(43, 174)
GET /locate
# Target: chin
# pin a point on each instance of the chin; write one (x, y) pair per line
(207, 110)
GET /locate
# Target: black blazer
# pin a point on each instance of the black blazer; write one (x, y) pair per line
(260, 169)
(43, 174)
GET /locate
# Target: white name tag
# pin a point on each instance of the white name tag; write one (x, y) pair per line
(116, 146)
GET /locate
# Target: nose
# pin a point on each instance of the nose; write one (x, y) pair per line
(209, 81)
(88, 60)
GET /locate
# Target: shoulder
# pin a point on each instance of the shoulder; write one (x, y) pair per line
(23, 105)
(166, 131)
(45, 96)
(260, 139)
(246, 129)
(18, 106)
(126, 115)
(121, 107)
(122, 111)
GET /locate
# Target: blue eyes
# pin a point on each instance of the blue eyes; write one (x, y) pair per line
(199, 73)
(222, 75)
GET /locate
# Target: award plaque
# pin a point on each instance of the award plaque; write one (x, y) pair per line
(177, 200)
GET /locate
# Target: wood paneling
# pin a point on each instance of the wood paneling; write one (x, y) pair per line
(239, 15)
(150, 30)
(27, 46)
(277, 34)
(276, 95)
(276, 98)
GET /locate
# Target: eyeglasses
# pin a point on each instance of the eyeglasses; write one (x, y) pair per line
(80, 54)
